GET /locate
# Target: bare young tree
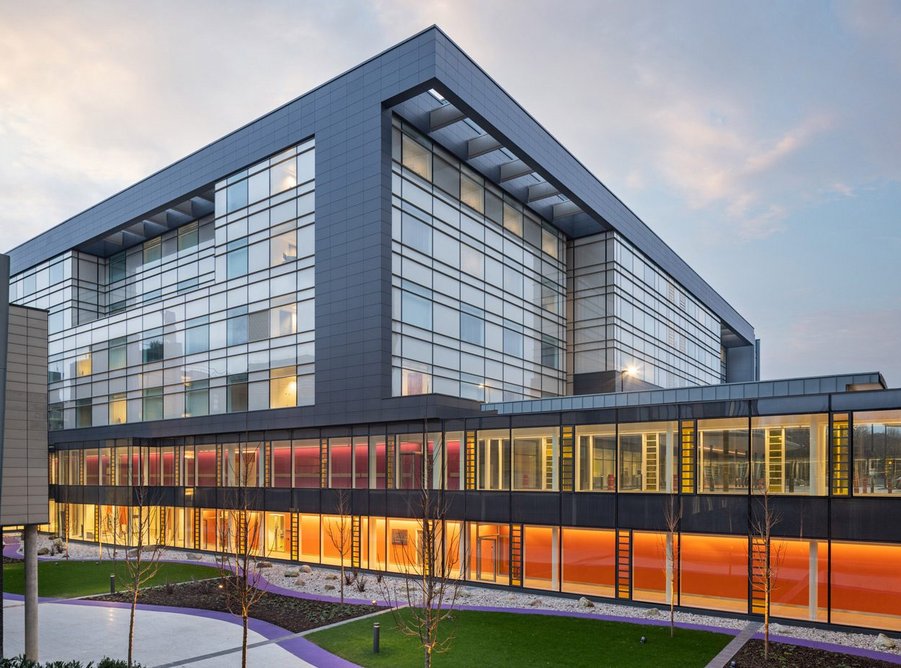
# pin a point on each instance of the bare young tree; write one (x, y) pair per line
(340, 533)
(241, 544)
(672, 517)
(142, 561)
(766, 558)
(431, 570)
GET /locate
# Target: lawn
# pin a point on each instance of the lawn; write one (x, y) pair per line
(510, 639)
(69, 579)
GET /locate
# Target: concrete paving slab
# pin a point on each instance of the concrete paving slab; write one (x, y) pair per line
(90, 632)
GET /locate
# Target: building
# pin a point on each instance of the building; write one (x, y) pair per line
(400, 278)
(23, 437)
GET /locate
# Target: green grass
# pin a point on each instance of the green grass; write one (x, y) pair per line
(509, 639)
(69, 579)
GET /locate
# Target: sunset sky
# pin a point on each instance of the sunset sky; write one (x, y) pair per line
(761, 140)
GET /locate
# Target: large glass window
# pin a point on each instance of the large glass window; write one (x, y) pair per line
(340, 463)
(117, 353)
(535, 454)
(117, 408)
(417, 158)
(788, 454)
(409, 461)
(589, 561)
(646, 456)
(280, 451)
(493, 463)
(197, 398)
(153, 403)
(237, 393)
(282, 387)
(152, 346)
(453, 463)
(596, 458)
(306, 464)
(877, 452)
(723, 456)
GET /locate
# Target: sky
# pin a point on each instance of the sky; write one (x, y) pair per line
(760, 140)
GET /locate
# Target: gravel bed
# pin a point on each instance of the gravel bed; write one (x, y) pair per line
(324, 581)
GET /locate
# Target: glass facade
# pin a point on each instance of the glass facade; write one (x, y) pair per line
(479, 283)
(627, 313)
(214, 316)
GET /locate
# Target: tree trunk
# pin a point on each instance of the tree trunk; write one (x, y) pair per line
(427, 657)
(131, 627)
(244, 641)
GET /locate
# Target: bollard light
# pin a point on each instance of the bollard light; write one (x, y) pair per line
(112, 583)
(376, 629)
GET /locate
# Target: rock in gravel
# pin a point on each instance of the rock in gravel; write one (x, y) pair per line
(585, 603)
(193, 556)
(534, 604)
(777, 628)
(43, 551)
(331, 576)
(264, 564)
(884, 642)
(306, 568)
(329, 587)
(300, 582)
(652, 612)
(291, 574)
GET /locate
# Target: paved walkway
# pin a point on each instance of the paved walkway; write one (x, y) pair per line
(77, 630)
(736, 644)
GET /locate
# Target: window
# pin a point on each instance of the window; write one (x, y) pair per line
(596, 459)
(258, 326)
(447, 177)
(283, 320)
(493, 454)
(283, 248)
(340, 462)
(282, 387)
(415, 381)
(416, 234)
(55, 416)
(409, 461)
(534, 459)
(197, 398)
(512, 342)
(646, 456)
(236, 196)
(83, 365)
(472, 327)
(83, 412)
(237, 393)
(236, 330)
(187, 236)
(152, 346)
(416, 310)
(236, 259)
(197, 339)
(788, 454)
(283, 176)
(723, 456)
(117, 408)
(471, 194)
(117, 353)
(417, 158)
(152, 250)
(153, 403)
(117, 267)
(877, 452)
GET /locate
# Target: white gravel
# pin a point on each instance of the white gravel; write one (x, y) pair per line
(324, 581)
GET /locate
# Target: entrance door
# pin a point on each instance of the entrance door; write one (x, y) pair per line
(486, 558)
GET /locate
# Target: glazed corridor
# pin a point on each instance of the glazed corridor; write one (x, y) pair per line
(817, 580)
